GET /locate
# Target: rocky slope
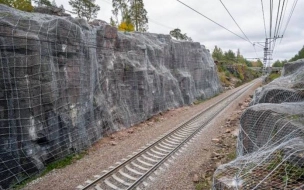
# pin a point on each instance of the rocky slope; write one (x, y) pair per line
(65, 84)
(271, 138)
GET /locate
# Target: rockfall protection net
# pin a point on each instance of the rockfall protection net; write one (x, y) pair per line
(65, 84)
(270, 150)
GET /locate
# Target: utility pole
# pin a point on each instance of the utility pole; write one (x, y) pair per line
(268, 50)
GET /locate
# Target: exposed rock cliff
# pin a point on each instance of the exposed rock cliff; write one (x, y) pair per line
(271, 138)
(65, 83)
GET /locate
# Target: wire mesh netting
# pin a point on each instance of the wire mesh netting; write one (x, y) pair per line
(65, 84)
(271, 139)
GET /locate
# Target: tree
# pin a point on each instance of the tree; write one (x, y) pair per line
(41, 3)
(126, 25)
(139, 15)
(85, 8)
(24, 5)
(229, 56)
(238, 54)
(54, 4)
(279, 63)
(177, 34)
(259, 63)
(119, 7)
(217, 54)
(112, 22)
(300, 55)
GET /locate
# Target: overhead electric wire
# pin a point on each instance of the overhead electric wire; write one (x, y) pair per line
(276, 34)
(279, 26)
(285, 10)
(264, 19)
(213, 21)
(271, 11)
(283, 18)
(276, 23)
(255, 51)
(270, 23)
(289, 18)
(160, 24)
(235, 21)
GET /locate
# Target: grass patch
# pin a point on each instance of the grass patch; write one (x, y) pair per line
(273, 76)
(196, 102)
(231, 156)
(68, 160)
(202, 185)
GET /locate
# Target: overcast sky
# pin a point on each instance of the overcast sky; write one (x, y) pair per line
(166, 15)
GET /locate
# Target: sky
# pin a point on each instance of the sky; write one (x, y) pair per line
(166, 15)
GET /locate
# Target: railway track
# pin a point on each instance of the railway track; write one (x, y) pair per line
(132, 171)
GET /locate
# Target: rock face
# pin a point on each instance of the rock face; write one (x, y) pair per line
(271, 138)
(64, 84)
(287, 88)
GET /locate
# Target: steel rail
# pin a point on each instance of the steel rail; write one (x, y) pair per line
(138, 154)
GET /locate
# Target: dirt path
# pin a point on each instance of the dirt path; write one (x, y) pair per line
(117, 146)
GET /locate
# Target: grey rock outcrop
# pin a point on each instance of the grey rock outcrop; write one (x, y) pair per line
(288, 88)
(271, 137)
(51, 10)
(65, 84)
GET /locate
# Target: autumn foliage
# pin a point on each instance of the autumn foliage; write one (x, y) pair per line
(24, 5)
(126, 27)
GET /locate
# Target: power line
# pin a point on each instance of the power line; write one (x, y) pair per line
(276, 24)
(264, 19)
(271, 11)
(285, 10)
(235, 21)
(213, 21)
(255, 51)
(290, 15)
(276, 34)
(279, 26)
(160, 24)
(283, 18)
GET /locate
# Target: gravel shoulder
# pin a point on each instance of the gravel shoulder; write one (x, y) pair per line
(197, 163)
(118, 145)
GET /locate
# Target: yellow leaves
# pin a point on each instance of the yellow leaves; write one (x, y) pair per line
(24, 5)
(126, 27)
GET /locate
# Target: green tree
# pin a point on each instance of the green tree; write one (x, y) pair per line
(112, 22)
(177, 34)
(300, 55)
(259, 63)
(138, 15)
(40, 3)
(85, 8)
(279, 63)
(230, 56)
(248, 63)
(24, 5)
(217, 54)
(120, 7)
(238, 54)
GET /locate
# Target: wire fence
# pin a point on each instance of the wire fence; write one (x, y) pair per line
(65, 84)
(271, 139)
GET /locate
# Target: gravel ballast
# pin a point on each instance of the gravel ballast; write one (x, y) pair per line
(119, 145)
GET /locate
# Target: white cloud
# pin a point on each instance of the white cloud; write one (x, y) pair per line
(166, 14)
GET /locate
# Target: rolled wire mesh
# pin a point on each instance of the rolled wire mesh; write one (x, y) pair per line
(65, 84)
(270, 144)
